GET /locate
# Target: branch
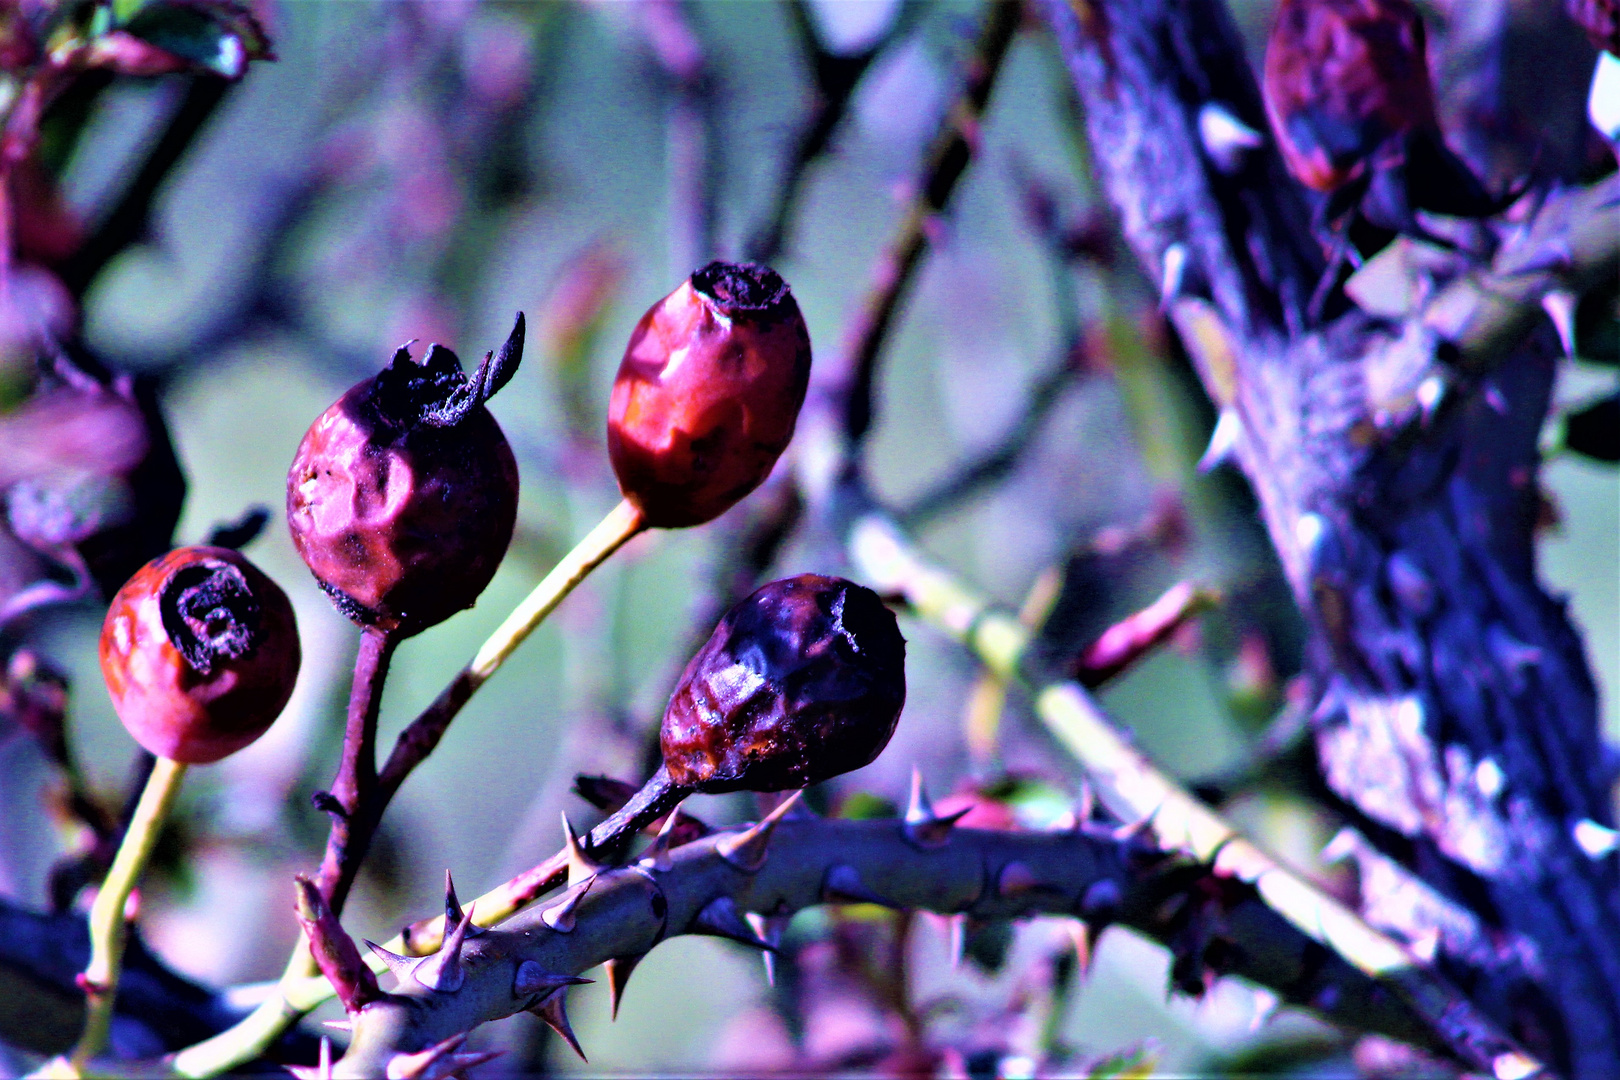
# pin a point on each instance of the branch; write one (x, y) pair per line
(1134, 790)
(849, 381)
(129, 218)
(1092, 873)
(836, 76)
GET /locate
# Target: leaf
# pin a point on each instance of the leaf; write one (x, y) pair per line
(1136, 1063)
(219, 36)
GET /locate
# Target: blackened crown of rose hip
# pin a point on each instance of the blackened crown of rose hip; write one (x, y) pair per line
(211, 614)
(402, 496)
(741, 287)
(800, 682)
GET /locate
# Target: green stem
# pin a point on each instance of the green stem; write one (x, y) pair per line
(108, 928)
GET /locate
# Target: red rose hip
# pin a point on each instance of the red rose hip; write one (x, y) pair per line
(403, 495)
(199, 652)
(800, 682)
(708, 394)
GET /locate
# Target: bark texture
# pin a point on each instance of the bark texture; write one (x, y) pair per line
(1458, 720)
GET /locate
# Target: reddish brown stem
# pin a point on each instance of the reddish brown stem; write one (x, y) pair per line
(1137, 635)
(353, 801)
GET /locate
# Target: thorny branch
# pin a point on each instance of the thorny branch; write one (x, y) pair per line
(1094, 873)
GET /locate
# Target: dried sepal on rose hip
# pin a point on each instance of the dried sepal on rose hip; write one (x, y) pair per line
(403, 495)
(800, 682)
(200, 652)
(708, 393)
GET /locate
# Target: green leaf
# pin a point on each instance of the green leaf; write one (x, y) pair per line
(220, 36)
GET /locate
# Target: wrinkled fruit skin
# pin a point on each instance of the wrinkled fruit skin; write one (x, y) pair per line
(200, 653)
(707, 394)
(800, 682)
(402, 523)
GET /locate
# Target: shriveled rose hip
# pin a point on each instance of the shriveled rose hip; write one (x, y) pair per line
(403, 495)
(800, 682)
(200, 653)
(708, 394)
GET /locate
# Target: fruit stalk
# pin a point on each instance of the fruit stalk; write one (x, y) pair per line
(352, 801)
(108, 927)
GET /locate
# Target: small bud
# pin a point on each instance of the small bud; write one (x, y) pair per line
(403, 495)
(800, 682)
(1015, 880)
(334, 951)
(708, 394)
(200, 653)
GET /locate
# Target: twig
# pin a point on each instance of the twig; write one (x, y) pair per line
(249, 1038)
(947, 159)
(995, 464)
(128, 219)
(836, 76)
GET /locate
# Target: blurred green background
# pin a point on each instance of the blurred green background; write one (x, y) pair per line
(408, 170)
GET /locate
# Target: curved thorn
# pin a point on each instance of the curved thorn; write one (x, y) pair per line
(561, 917)
(554, 1011)
(958, 939)
(768, 928)
(746, 850)
(442, 971)
(533, 979)
(399, 965)
(619, 969)
(420, 1065)
(657, 852)
(580, 864)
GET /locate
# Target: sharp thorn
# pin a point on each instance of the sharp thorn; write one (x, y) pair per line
(442, 971)
(657, 852)
(421, 1065)
(320, 1071)
(580, 864)
(1559, 304)
(1227, 140)
(533, 979)
(958, 939)
(1133, 829)
(399, 965)
(560, 917)
(338, 1025)
(843, 884)
(619, 969)
(720, 918)
(1223, 441)
(923, 827)
(1173, 275)
(554, 1011)
(768, 928)
(746, 850)
(452, 907)
(1085, 807)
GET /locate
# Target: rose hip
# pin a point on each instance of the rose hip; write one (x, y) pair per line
(708, 394)
(403, 495)
(800, 682)
(200, 653)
